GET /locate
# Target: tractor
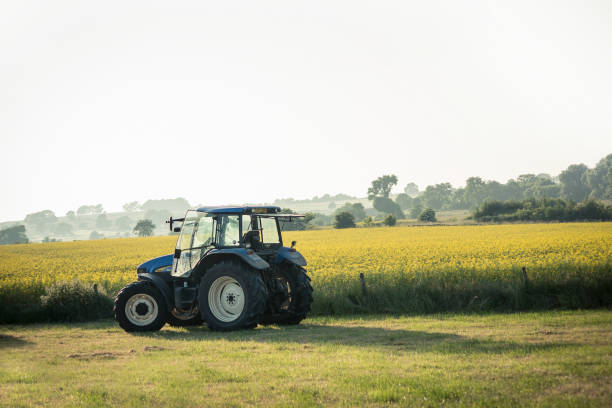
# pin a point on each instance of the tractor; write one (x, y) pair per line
(229, 270)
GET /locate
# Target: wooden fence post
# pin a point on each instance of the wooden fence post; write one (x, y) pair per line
(363, 286)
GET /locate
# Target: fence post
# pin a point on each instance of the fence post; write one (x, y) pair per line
(363, 287)
(95, 288)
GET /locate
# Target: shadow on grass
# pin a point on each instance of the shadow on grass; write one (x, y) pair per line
(12, 341)
(392, 340)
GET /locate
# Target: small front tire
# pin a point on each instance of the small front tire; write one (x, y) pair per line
(139, 307)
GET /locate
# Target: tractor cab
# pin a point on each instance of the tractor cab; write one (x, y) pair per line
(208, 231)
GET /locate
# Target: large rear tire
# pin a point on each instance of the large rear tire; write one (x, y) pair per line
(139, 307)
(290, 303)
(232, 296)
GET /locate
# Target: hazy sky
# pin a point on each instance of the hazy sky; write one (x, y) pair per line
(248, 101)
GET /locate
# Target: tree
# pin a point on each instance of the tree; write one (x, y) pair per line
(84, 210)
(600, 179)
(344, 220)
(428, 215)
(123, 223)
(438, 196)
(102, 222)
(416, 210)
(388, 206)
(356, 209)
(381, 187)
(574, 184)
(411, 189)
(390, 220)
(14, 235)
(62, 228)
(131, 207)
(144, 228)
(97, 209)
(404, 201)
(172, 205)
(157, 216)
(331, 205)
(71, 215)
(96, 235)
(475, 191)
(42, 220)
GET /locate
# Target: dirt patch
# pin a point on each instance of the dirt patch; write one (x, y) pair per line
(153, 348)
(101, 355)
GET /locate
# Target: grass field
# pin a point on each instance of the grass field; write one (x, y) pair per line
(523, 359)
(406, 269)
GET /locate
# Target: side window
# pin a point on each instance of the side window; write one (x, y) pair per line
(269, 231)
(204, 232)
(228, 230)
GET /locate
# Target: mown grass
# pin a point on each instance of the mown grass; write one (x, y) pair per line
(527, 359)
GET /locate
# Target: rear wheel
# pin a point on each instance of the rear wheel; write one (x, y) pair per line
(140, 307)
(185, 318)
(232, 296)
(290, 301)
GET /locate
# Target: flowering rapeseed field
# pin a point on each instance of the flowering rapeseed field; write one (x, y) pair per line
(405, 268)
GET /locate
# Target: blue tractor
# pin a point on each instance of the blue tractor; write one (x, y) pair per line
(229, 269)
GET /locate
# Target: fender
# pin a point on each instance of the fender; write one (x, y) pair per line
(289, 255)
(249, 257)
(159, 285)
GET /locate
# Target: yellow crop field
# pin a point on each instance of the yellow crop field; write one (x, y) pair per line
(405, 268)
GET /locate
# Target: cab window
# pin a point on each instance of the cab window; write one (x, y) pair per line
(269, 231)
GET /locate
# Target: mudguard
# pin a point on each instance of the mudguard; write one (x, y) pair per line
(289, 255)
(160, 285)
(250, 257)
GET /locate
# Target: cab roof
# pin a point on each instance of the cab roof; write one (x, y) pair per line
(263, 209)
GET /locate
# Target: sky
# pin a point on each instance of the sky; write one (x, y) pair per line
(234, 102)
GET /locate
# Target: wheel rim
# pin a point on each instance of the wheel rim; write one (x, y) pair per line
(226, 299)
(141, 309)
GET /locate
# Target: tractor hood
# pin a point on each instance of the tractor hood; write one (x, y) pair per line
(155, 263)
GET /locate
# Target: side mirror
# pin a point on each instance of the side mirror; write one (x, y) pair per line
(177, 253)
(293, 243)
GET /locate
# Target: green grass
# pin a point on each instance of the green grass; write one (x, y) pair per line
(522, 359)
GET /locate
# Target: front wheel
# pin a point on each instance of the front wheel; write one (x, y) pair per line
(140, 307)
(232, 296)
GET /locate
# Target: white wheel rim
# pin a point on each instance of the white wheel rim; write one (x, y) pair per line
(226, 299)
(141, 309)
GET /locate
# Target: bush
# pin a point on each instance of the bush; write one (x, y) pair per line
(544, 209)
(344, 220)
(416, 211)
(428, 215)
(14, 235)
(390, 220)
(75, 301)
